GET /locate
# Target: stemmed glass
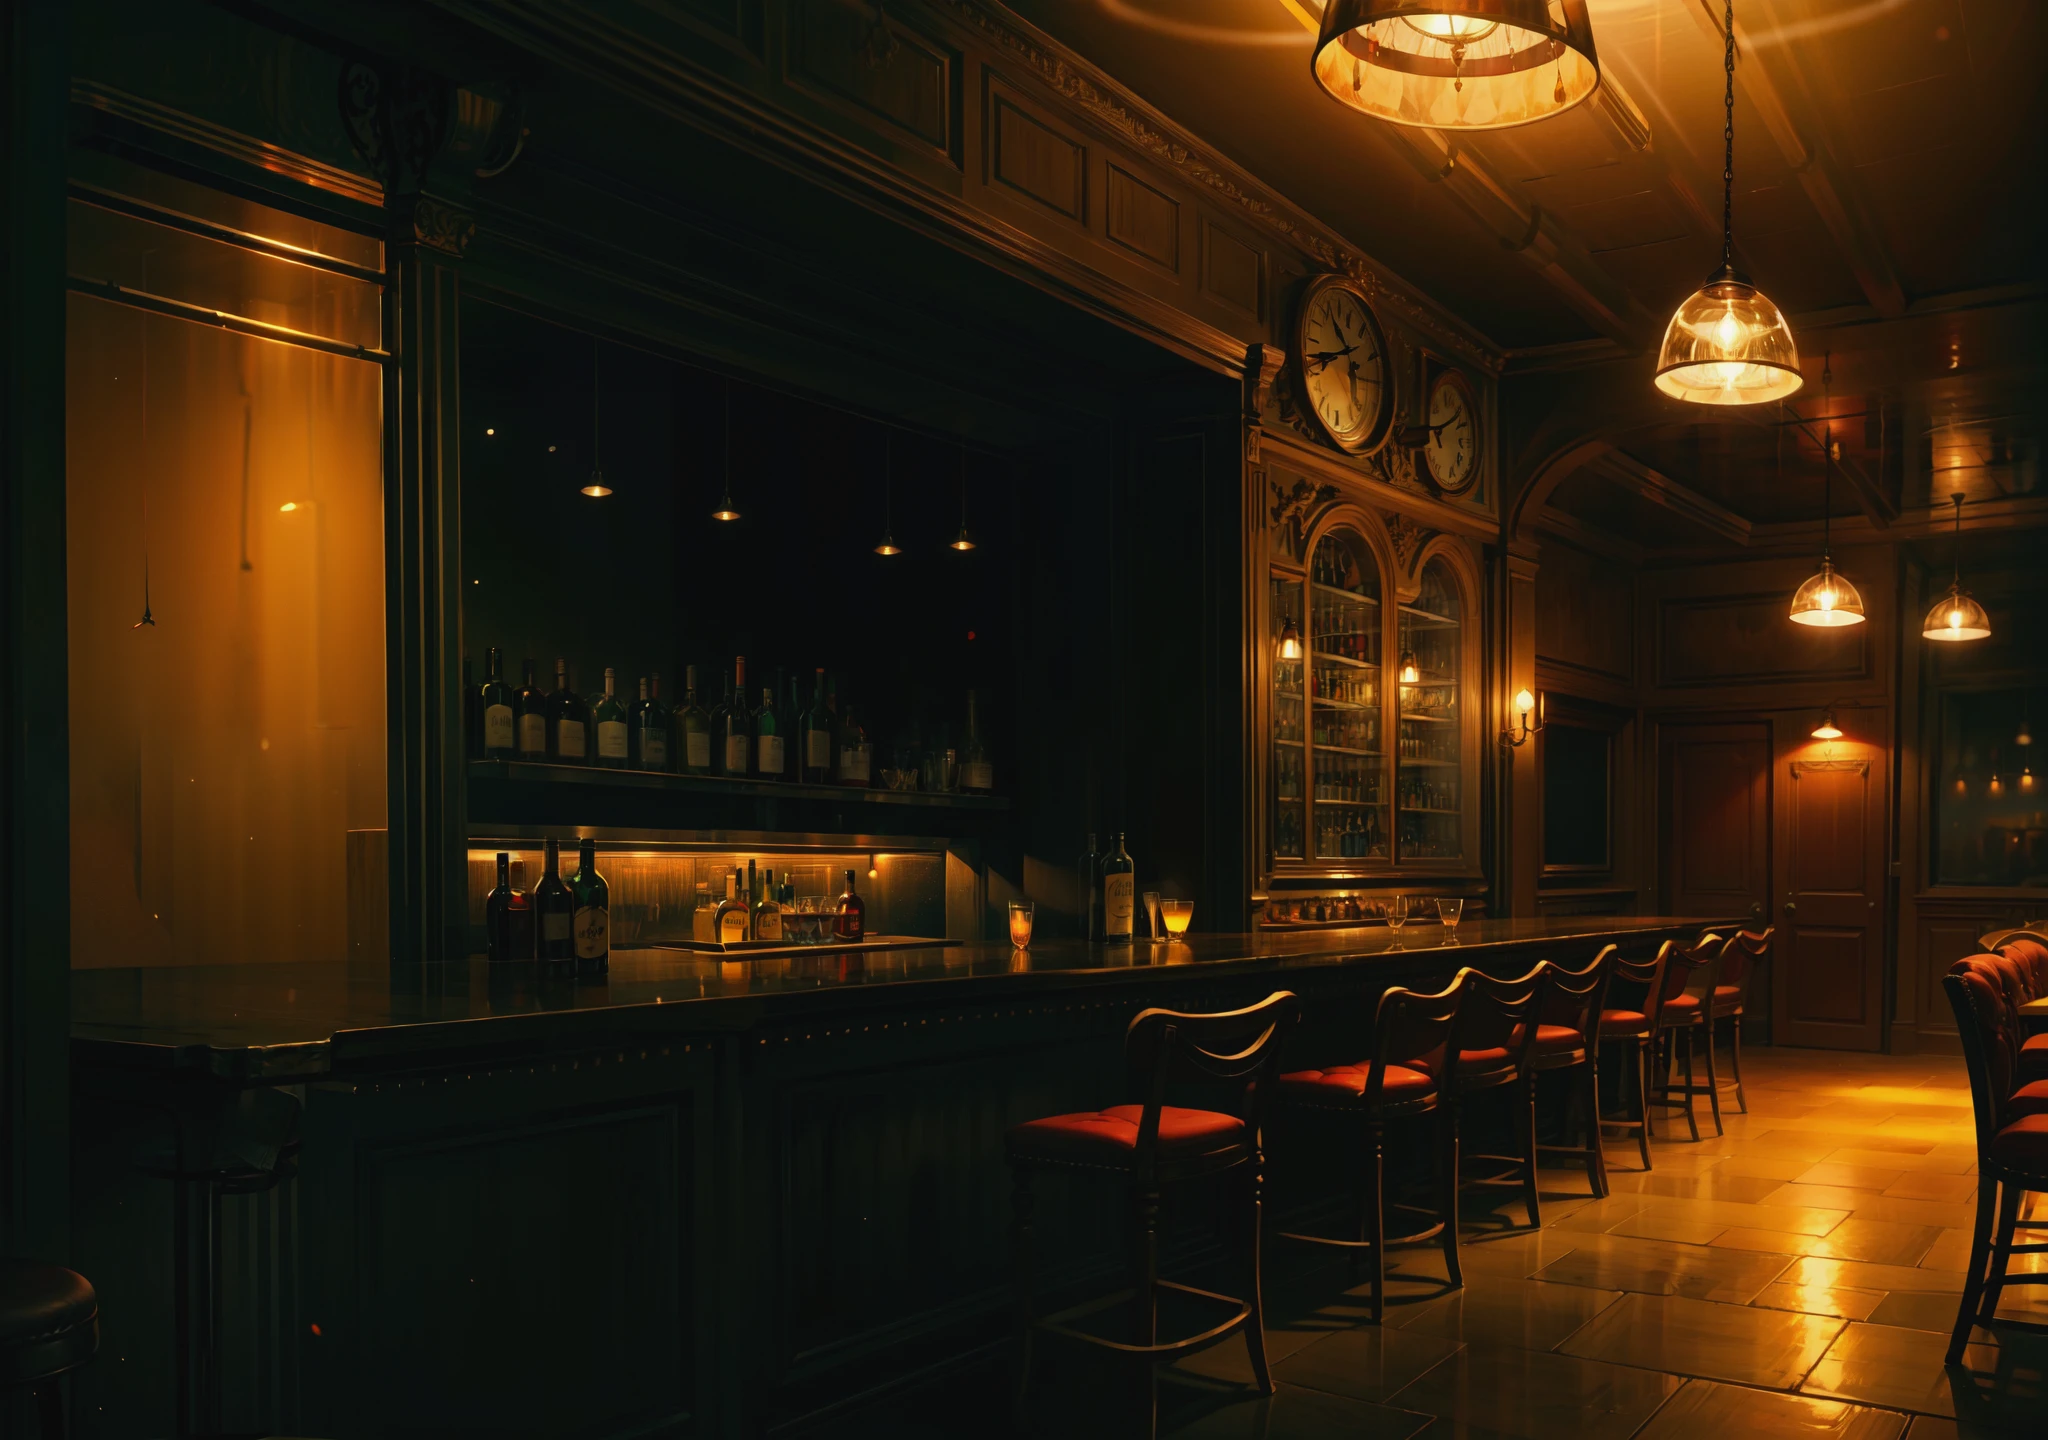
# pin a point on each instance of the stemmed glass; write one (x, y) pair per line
(1397, 916)
(1450, 912)
(1176, 914)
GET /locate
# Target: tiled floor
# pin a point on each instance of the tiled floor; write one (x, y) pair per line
(1794, 1276)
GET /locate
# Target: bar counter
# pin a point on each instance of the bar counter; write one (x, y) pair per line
(295, 1022)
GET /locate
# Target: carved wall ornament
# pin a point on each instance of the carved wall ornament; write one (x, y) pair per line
(1408, 537)
(1287, 404)
(1297, 503)
(439, 226)
(878, 41)
(1262, 366)
(396, 117)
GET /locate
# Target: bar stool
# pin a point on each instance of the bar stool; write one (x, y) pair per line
(49, 1324)
(1572, 1006)
(1495, 1042)
(1733, 970)
(2012, 1139)
(1411, 1033)
(1682, 1017)
(1635, 1029)
(1151, 1147)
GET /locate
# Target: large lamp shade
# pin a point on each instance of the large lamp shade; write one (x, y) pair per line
(1457, 64)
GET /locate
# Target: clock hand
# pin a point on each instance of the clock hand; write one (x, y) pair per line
(1324, 357)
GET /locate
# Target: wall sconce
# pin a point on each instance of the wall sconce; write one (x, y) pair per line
(874, 870)
(1827, 729)
(1517, 735)
(1290, 639)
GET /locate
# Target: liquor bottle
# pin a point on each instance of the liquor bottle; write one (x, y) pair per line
(613, 750)
(648, 735)
(817, 735)
(853, 914)
(770, 742)
(975, 771)
(854, 754)
(692, 729)
(498, 913)
(768, 910)
(732, 730)
(1090, 891)
(568, 722)
(472, 713)
(519, 916)
(554, 914)
(530, 718)
(496, 702)
(730, 921)
(593, 902)
(1119, 890)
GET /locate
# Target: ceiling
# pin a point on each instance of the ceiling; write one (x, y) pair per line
(1890, 179)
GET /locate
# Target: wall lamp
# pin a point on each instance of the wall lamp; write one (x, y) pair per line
(1517, 735)
(1290, 639)
(1827, 729)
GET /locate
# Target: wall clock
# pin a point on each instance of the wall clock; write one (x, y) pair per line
(1343, 360)
(1452, 449)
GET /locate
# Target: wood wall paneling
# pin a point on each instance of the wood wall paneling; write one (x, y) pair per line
(1716, 809)
(1233, 271)
(1722, 640)
(876, 68)
(1142, 219)
(1585, 616)
(1829, 952)
(1037, 160)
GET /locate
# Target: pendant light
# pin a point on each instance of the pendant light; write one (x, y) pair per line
(1290, 638)
(1410, 674)
(1827, 729)
(1956, 616)
(726, 509)
(962, 541)
(1827, 599)
(149, 618)
(596, 489)
(1457, 64)
(1728, 344)
(888, 545)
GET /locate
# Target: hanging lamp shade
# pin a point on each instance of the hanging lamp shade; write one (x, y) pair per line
(1290, 639)
(1457, 64)
(1728, 344)
(1827, 599)
(1956, 617)
(1827, 729)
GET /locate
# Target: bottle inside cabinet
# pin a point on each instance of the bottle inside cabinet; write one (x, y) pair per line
(1289, 726)
(1344, 753)
(1429, 789)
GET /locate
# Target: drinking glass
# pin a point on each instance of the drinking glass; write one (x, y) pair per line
(806, 919)
(1176, 914)
(1397, 915)
(1450, 912)
(1152, 915)
(1021, 912)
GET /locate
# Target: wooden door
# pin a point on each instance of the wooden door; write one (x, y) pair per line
(1829, 950)
(1715, 808)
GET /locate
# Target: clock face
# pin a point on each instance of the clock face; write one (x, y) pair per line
(1344, 364)
(1452, 453)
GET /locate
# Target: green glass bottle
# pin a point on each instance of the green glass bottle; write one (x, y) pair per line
(771, 749)
(693, 729)
(614, 750)
(591, 901)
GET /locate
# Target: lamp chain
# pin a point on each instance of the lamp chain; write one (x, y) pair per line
(1827, 456)
(1728, 145)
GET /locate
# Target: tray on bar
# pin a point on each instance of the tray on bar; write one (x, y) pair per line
(776, 949)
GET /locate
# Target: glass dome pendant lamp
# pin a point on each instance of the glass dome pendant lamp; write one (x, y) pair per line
(888, 545)
(726, 510)
(1827, 599)
(595, 487)
(1728, 344)
(1458, 65)
(1956, 617)
(962, 541)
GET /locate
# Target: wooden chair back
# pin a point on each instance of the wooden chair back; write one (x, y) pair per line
(1162, 1047)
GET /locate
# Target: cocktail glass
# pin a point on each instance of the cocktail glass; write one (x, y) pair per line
(1021, 915)
(1450, 912)
(1176, 914)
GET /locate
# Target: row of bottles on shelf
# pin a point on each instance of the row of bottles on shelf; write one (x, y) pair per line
(758, 910)
(1353, 784)
(1432, 742)
(1421, 839)
(1334, 568)
(1437, 595)
(1416, 792)
(1287, 716)
(1348, 729)
(1344, 630)
(816, 739)
(565, 925)
(1438, 701)
(1287, 774)
(1345, 686)
(1352, 835)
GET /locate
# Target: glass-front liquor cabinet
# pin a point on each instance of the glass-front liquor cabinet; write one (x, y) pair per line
(1371, 673)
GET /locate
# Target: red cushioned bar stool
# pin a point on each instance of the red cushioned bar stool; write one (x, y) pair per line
(1151, 1147)
(2012, 1139)
(1572, 1006)
(1635, 997)
(1411, 1034)
(1734, 968)
(1495, 1042)
(1681, 1021)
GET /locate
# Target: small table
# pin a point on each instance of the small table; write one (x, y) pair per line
(2035, 1009)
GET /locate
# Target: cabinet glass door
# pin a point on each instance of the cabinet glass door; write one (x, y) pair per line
(1430, 788)
(1290, 766)
(1346, 759)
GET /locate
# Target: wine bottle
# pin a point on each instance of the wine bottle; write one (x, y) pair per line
(554, 912)
(649, 732)
(817, 735)
(853, 914)
(496, 702)
(593, 904)
(975, 771)
(1119, 891)
(854, 754)
(767, 910)
(472, 713)
(614, 752)
(693, 729)
(519, 916)
(732, 729)
(732, 919)
(498, 913)
(568, 722)
(769, 747)
(530, 718)
(1090, 891)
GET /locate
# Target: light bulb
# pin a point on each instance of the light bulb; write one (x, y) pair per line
(1995, 788)
(1524, 702)
(288, 507)
(2027, 779)
(1459, 29)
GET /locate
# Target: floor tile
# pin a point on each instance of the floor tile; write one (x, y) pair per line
(1856, 1177)
(1951, 1251)
(1292, 1413)
(1524, 1314)
(1717, 1183)
(1798, 1219)
(1614, 1262)
(1863, 1275)
(1746, 1344)
(1704, 1410)
(1531, 1395)
(1942, 1214)
(1766, 1167)
(1885, 1365)
(1853, 1239)
(1664, 1225)
(1941, 1159)
(1936, 1311)
(1368, 1362)
(1920, 1185)
(1822, 1300)
(1824, 1143)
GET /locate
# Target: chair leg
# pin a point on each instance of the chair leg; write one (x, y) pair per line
(1735, 1055)
(50, 1410)
(1642, 1069)
(1713, 1083)
(1596, 1159)
(2001, 1251)
(1375, 1212)
(1145, 1303)
(1021, 1205)
(1447, 1189)
(1980, 1256)
(1254, 1301)
(1525, 1118)
(1691, 1120)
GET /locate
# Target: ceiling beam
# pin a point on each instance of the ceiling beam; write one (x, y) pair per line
(1565, 526)
(1828, 187)
(1623, 469)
